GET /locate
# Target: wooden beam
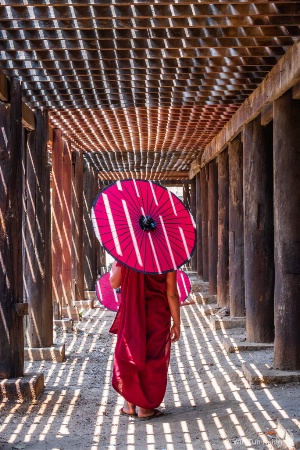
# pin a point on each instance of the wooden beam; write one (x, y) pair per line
(296, 91)
(266, 115)
(195, 168)
(3, 88)
(282, 77)
(28, 118)
(155, 176)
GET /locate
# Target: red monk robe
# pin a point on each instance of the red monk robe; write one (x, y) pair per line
(142, 351)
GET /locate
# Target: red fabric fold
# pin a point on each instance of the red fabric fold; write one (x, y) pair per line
(142, 351)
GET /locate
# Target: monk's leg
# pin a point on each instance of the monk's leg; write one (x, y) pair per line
(129, 408)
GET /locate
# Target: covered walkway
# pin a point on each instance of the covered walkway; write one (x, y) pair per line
(194, 94)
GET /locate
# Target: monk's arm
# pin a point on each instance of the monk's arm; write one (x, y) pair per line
(115, 276)
(173, 299)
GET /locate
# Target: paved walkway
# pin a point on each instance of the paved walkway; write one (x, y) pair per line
(209, 403)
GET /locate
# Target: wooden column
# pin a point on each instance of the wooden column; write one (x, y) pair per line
(258, 231)
(236, 229)
(287, 232)
(199, 227)
(212, 225)
(37, 237)
(77, 225)
(57, 206)
(66, 228)
(223, 230)
(102, 253)
(91, 244)
(193, 212)
(186, 195)
(204, 211)
(11, 275)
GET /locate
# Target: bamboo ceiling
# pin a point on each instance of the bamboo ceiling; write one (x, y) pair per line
(143, 86)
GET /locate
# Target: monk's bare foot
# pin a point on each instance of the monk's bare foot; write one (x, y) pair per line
(149, 413)
(128, 408)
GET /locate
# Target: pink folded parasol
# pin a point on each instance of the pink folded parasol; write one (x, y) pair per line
(111, 298)
(107, 296)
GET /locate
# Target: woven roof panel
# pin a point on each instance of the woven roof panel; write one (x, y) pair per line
(143, 86)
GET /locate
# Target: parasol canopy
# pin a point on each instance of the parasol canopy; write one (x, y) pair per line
(107, 296)
(183, 285)
(144, 226)
(111, 298)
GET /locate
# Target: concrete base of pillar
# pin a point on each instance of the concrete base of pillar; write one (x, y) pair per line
(225, 323)
(204, 299)
(65, 324)
(28, 387)
(90, 295)
(208, 310)
(85, 304)
(289, 433)
(54, 353)
(71, 312)
(261, 374)
(237, 346)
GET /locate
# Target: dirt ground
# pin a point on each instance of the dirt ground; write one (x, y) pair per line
(208, 403)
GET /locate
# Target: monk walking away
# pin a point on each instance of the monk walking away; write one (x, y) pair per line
(144, 336)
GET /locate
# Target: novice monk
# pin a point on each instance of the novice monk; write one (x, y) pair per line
(143, 326)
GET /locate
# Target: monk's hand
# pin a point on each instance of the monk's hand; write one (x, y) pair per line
(175, 333)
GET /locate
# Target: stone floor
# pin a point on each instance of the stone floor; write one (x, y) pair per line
(209, 404)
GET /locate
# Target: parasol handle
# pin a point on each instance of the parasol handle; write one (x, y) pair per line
(147, 223)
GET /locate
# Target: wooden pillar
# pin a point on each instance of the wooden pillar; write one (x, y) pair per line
(199, 227)
(66, 226)
(11, 276)
(91, 243)
(223, 230)
(77, 225)
(258, 231)
(57, 206)
(186, 195)
(37, 237)
(287, 232)
(212, 225)
(102, 253)
(204, 210)
(193, 212)
(236, 229)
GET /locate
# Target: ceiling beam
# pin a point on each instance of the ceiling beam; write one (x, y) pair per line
(282, 77)
(155, 176)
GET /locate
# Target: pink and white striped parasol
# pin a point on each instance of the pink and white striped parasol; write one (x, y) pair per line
(144, 226)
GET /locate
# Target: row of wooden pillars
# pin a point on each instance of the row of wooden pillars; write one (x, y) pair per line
(248, 223)
(49, 252)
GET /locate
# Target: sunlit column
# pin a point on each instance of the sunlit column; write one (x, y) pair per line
(57, 205)
(193, 212)
(258, 231)
(236, 229)
(91, 244)
(212, 225)
(287, 232)
(199, 227)
(77, 225)
(204, 213)
(37, 268)
(223, 232)
(66, 225)
(11, 283)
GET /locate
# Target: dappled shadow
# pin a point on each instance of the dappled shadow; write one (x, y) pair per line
(208, 403)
